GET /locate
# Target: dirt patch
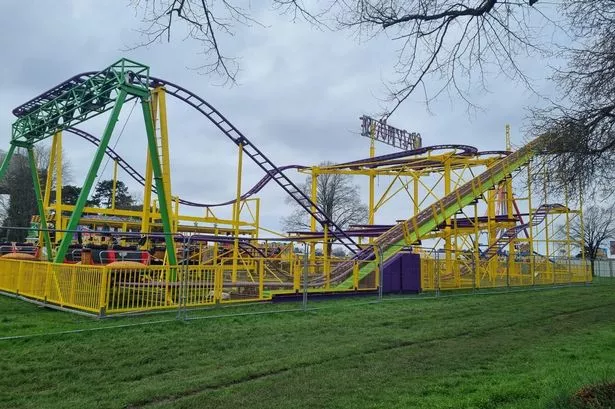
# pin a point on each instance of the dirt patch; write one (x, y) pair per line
(600, 396)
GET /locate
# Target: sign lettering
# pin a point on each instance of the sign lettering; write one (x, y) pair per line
(399, 138)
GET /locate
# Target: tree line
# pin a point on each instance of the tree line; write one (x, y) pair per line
(18, 201)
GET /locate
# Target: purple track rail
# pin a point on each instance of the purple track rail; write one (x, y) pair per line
(272, 171)
(139, 178)
(224, 125)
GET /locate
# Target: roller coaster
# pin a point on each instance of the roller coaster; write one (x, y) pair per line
(464, 229)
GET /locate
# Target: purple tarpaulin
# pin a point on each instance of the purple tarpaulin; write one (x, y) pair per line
(402, 274)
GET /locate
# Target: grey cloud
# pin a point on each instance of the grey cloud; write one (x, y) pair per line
(299, 96)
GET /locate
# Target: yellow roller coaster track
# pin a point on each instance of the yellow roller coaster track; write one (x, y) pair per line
(415, 228)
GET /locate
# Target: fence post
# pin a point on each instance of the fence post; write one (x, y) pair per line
(305, 276)
(437, 275)
(102, 296)
(474, 270)
(183, 284)
(218, 284)
(508, 271)
(47, 281)
(73, 284)
(261, 278)
(380, 272)
(533, 268)
(19, 276)
(296, 272)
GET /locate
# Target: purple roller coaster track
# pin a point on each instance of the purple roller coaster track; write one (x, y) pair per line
(272, 172)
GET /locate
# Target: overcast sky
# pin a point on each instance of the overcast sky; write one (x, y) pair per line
(299, 96)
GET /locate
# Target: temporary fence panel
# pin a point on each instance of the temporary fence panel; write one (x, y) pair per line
(126, 289)
(67, 285)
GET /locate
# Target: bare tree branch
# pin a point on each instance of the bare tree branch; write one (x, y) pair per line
(442, 42)
(449, 40)
(204, 21)
(582, 123)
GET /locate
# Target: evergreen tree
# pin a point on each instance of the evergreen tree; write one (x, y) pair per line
(22, 201)
(70, 194)
(104, 191)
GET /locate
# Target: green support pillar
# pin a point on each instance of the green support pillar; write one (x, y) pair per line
(6, 161)
(91, 176)
(156, 167)
(39, 202)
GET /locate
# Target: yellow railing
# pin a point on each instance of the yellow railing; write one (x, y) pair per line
(107, 290)
(111, 289)
(67, 285)
(463, 274)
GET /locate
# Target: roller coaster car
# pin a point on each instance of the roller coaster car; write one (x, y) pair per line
(119, 253)
(24, 251)
(73, 255)
(103, 254)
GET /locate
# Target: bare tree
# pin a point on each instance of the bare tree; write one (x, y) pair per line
(338, 252)
(444, 45)
(453, 46)
(336, 196)
(598, 226)
(42, 153)
(206, 21)
(582, 123)
(448, 45)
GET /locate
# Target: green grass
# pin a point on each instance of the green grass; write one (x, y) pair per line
(527, 349)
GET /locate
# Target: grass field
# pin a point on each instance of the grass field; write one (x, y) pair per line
(528, 349)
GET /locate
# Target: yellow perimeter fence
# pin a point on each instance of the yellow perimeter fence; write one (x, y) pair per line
(458, 274)
(105, 290)
(110, 289)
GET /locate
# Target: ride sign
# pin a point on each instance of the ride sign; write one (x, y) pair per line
(381, 131)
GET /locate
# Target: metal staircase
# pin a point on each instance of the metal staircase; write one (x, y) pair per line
(510, 234)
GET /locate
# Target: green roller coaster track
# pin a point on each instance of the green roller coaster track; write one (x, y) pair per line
(76, 101)
(79, 101)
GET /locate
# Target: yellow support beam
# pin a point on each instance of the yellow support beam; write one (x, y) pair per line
(314, 198)
(164, 153)
(237, 213)
(50, 172)
(114, 187)
(48, 183)
(165, 160)
(372, 179)
(59, 183)
(448, 250)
